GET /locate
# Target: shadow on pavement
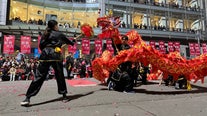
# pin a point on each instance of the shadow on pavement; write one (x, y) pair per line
(196, 89)
(73, 97)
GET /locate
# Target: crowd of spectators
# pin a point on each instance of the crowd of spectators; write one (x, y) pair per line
(41, 22)
(163, 28)
(170, 4)
(12, 69)
(82, 1)
(30, 21)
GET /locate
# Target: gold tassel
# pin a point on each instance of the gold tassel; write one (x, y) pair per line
(189, 86)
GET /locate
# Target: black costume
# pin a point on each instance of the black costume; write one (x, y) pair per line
(121, 79)
(181, 83)
(50, 56)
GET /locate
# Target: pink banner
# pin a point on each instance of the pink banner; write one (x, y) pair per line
(39, 37)
(98, 46)
(162, 47)
(152, 44)
(85, 46)
(197, 49)
(204, 48)
(73, 48)
(171, 47)
(192, 49)
(25, 44)
(109, 46)
(8, 44)
(177, 46)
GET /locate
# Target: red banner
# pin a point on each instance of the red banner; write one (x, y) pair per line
(86, 46)
(73, 48)
(98, 46)
(39, 37)
(25, 44)
(171, 47)
(177, 46)
(152, 44)
(192, 49)
(109, 46)
(162, 47)
(8, 44)
(197, 49)
(204, 48)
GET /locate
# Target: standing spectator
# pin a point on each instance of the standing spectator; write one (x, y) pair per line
(83, 69)
(79, 24)
(69, 64)
(123, 25)
(20, 56)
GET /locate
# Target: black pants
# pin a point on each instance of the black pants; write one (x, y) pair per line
(69, 68)
(41, 74)
(125, 83)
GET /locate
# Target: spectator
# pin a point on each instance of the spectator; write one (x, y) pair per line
(12, 72)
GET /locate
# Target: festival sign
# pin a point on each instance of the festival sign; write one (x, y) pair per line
(85, 46)
(8, 44)
(152, 44)
(170, 46)
(72, 48)
(204, 48)
(25, 44)
(162, 47)
(109, 46)
(192, 49)
(177, 46)
(197, 49)
(98, 46)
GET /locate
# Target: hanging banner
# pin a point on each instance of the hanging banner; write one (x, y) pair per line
(98, 46)
(39, 38)
(25, 44)
(192, 49)
(109, 46)
(204, 48)
(85, 46)
(177, 46)
(73, 48)
(152, 44)
(8, 44)
(171, 47)
(162, 47)
(197, 49)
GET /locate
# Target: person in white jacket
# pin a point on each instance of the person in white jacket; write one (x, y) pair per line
(12, 72)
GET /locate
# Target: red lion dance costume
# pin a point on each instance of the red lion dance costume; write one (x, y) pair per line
(172, 63)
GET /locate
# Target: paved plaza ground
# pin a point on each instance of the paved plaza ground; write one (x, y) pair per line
(96, 100)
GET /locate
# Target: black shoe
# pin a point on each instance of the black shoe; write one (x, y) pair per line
(65, 98)
(25, 102)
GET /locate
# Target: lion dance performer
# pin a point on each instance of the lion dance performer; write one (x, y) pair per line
(169, 64)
